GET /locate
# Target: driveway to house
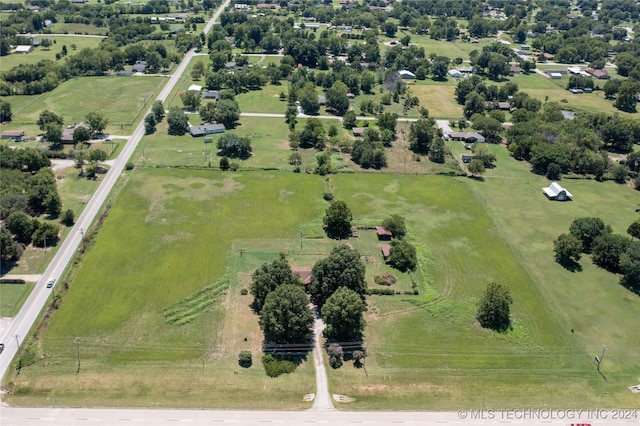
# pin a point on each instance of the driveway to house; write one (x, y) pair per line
(323, 397)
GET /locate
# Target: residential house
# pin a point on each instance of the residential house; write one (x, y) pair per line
(466, 137)
(67, 134)
(139, 66)
(206, 129)
(15, 135)
(212, 94)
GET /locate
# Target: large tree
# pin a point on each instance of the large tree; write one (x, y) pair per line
(96, 121)
(396, 225)
(587, 229)
(421, 135)
(342, 314)
(285, 316)
(227, 113)
(5, 111)
(607, 249)
(81, 134)
(493, 310)
(337, 98)
(630, 267)
(403, 256)
(157, 109)
(47, 117)
(342, 268)
(177, 121)
(232, 145)
(634, 229)
(267, 278)
(626, 98)
(337, 220)
(21, 225)
(9, 248)
(191, 100)
(567, 248)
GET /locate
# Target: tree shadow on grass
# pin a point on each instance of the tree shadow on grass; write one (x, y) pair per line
(476, 177)
(570, 265)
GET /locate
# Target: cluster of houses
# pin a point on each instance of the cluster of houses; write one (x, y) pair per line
(556, 74)
(205, 128)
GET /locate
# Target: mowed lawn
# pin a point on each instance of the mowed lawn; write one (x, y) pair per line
(40, 53)
(168, 235)
(545, 89)
(120, 99)
(269, 142)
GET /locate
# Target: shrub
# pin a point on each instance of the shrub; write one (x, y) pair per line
(275, 366)
(335, 353)
(385, 279)
(128, 166)
(327, 196)
(245, 359)
(381, 291)
(244, 292)
(358, 357)
(335, 362)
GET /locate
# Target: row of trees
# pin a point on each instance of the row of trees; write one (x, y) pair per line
(28, 189)
(614, 252)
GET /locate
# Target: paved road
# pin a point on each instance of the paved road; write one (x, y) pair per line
(151, 417)
(15, 333)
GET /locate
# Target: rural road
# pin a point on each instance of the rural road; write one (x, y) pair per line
(151, 417)
(13, 335)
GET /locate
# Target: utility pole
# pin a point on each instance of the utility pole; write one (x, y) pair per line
(78, 351)
(599, 359)
(19, 353)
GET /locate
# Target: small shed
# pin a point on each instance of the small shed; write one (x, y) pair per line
(386, 250)
(455, 73)
(555, 75)
(466, 158)
(304, 274)
(557, 192)
(358, 131)
(383, 233)
(194, 88)
(504, 105)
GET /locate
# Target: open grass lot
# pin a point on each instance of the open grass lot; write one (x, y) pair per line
(73, 28)
(131, 356)
(12, 296)
(540, 87)
(425, 352)
(450, 362)
(265, 100)
(268, 140)
(452, 50)
(40, 53)
(120, 99)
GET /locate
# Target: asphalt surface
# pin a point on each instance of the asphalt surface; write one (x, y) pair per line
(108, 417)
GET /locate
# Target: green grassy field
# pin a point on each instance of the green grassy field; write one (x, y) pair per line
(121, 99)
(555, 91)
(40, 53)
(12, 296)
(424, 352)
(122, 330)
